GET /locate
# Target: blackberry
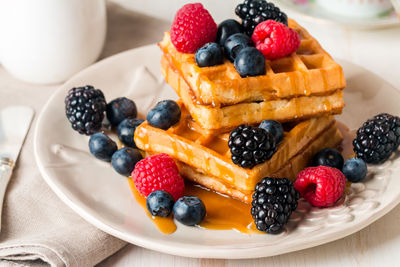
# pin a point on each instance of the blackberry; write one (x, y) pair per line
(253, 12)
(274, 200)
(377, 138)
(251, 146)
(85, 107)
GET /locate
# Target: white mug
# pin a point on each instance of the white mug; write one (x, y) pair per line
(47, 41)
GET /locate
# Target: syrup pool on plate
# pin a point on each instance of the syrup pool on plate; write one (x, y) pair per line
(346, 147)
(223, 212)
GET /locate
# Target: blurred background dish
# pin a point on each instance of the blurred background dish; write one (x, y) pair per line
(356, 9)
(351, 14)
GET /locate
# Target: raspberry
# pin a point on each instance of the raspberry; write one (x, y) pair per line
(192, 28)
(275, 40)
(320, 186)
(158, 172)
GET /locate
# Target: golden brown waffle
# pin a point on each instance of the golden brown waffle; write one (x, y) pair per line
(208, 152)
(329, 138)
(309, 71)
(293, 109)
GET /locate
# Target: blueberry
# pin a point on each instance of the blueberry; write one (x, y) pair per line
(189, 210)
(102, 147)
(126, 131)
(274, 128)
(328, 157)
(355, 170)
(160, 203)
(125, 159)
(250, 62)
(120, 109)
(209, 55)
(235, 43)
(227, 28)
(165, 114)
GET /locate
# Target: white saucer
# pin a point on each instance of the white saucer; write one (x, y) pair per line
(310, 11)
(101, 196)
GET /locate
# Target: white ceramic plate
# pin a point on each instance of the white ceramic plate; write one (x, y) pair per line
(310, 11)
(92, 188)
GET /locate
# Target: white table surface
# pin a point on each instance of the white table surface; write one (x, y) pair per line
(375, 245)
(377, 51)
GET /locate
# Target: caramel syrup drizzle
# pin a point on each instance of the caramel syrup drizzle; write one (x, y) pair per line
(223, 212)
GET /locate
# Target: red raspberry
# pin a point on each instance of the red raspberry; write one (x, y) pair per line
(275, 40)
(320, 186)
(192, 28)
(158, 172)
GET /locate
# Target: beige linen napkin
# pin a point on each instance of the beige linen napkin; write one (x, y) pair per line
(36, 226)
(38, 229)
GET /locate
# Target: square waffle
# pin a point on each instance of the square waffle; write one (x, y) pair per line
(204, 157)
(329, 138)
(308, 72)
(211, 117)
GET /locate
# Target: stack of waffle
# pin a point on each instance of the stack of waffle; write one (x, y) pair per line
(302, 91)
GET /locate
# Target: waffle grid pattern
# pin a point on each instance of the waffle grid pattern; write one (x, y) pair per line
(309, 71)
(329, 138)
(283, 110)
(208, 150)
(208, 157)
(216, 140)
